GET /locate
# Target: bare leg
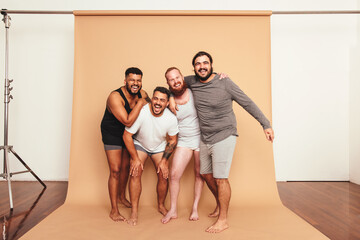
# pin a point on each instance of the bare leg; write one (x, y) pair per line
(124, 176)
(135, 191)
(114, 161)
(162, 184)
(180, 160)
(198, 186)
(211, 183)
(224, 194)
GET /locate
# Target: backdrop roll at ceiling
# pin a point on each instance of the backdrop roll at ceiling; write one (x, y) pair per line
(108, 42)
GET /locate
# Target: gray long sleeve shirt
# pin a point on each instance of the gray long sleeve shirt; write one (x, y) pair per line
(213, 102)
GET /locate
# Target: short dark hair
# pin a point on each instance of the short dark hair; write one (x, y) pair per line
(199, 54)
(133, 70)
(162, 90)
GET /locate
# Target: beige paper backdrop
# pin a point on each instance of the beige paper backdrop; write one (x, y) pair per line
(106, 43)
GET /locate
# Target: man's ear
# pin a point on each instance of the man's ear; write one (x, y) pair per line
(167, 103)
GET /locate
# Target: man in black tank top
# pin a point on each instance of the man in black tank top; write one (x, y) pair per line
(122, 109)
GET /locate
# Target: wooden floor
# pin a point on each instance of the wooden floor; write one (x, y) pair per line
(331, 207)
(32, 203)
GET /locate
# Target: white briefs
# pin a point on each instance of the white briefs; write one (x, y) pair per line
(189, 131)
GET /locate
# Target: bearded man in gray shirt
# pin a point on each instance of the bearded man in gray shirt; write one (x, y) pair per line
(213, 102)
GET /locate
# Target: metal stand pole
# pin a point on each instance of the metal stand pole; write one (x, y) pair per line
(7, 97)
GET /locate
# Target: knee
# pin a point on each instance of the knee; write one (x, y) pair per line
(115, 173)
(220, 181)
(175, 176)
(137, 176)
(161, 178)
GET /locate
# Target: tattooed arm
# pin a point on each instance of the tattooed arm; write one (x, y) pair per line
(164, 163)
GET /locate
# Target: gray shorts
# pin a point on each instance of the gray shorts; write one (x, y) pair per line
(216, 158)
(140, 148)
(112, 147)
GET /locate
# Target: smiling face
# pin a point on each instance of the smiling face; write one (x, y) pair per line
(133, 83)
(159, 102)
(203, 67)
(176, 82)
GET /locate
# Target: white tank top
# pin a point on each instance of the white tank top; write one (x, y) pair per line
(187, 119)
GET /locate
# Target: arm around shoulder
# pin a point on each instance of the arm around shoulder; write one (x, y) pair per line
(145, 96)
(116, 106)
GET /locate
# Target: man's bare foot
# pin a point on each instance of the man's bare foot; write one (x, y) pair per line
(125, 202)
(133, 219)
(194, 216)
(215, 213)
(116, 216)
(217, 227)
(170, 215)
(162, 210)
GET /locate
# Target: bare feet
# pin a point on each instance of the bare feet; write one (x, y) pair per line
(217, 227)
(170, 215)
(125, 202)
(116, 216)
(133, 219)
(162, 210)
(194, 216)
(215, 213)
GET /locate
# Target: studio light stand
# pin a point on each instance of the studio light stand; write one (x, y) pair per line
(7, 97)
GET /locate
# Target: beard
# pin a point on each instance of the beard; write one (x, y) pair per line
(206, 77)
(179, 92)
(153, 110)
(128, 88)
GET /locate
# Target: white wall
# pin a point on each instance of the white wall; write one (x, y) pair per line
(354, 101)
(313, 66)
(310, 64)
(41, 64)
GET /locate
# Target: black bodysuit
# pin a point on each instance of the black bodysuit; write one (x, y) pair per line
(112, 130)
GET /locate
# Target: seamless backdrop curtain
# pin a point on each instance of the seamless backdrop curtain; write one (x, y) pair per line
(106, 44)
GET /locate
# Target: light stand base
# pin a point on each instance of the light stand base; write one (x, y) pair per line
(7, 174)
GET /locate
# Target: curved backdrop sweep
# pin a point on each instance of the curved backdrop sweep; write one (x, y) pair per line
(108, 42)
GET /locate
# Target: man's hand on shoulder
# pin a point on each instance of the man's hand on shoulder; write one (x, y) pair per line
(145, 96)
(269, 133)
(223, 75)
(142, 101)
(172, 105)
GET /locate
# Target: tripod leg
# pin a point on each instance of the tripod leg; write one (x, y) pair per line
(5, 170)
(4, 163)
(27, 167)
(8, 177)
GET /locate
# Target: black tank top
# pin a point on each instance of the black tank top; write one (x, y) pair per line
(112, 130)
